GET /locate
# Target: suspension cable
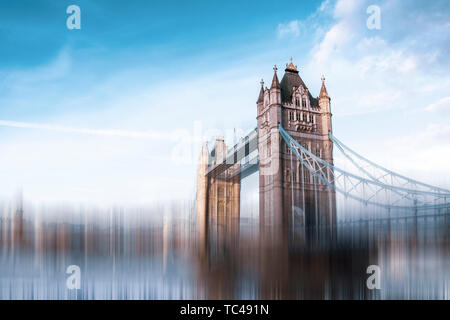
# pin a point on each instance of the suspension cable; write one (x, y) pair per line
(295, 146)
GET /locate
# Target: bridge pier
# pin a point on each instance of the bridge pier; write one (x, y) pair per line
(202, 200)
(218, 198)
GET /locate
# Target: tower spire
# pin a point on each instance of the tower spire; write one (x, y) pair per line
(291, 67)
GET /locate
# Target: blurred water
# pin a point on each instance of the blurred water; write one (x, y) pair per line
(123, 254)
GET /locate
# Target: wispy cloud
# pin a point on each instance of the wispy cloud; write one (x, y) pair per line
(290, 29)
(388, 63)
(442, 105)
(97, 132)
(423, 154)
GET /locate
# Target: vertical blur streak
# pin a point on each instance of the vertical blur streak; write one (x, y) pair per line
(152, 253)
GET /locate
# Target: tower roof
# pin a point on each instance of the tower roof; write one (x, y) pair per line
(290, 80)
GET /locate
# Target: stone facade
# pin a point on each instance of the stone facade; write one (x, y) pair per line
(290, 194)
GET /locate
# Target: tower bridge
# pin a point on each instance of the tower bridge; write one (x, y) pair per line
(300, 188)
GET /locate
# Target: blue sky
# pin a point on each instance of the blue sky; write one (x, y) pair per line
(112, 112)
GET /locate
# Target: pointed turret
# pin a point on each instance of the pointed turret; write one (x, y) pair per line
(204, 155)
(261, 93)
(324, 104)
(275, 88)
(323, 90)
(275, 82)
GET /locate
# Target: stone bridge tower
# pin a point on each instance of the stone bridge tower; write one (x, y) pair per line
(289, 194)
(218, 197)
(290, 197)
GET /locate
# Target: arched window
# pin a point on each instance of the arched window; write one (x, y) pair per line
(297, 101)
(303, 102)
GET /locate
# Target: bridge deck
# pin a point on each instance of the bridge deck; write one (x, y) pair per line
(236, 154)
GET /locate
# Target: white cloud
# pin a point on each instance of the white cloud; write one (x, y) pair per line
(423, 154)
(390, 61)
(346, 8)
(333, 42)
(324, 5)
(369, 71)
(291, 29)
(369, 44)
(442, 105)
(98, 132)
